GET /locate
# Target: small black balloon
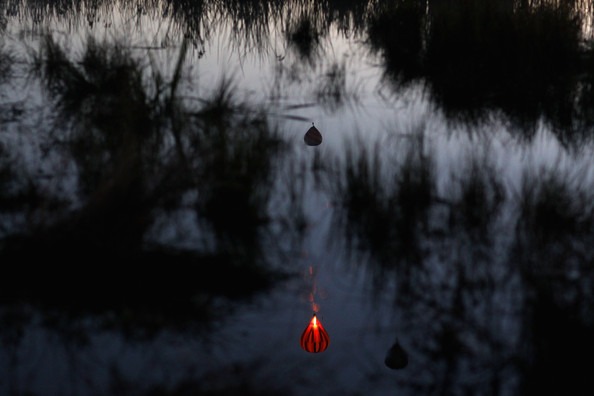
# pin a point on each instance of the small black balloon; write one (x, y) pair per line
(313, 137)
(396, 358)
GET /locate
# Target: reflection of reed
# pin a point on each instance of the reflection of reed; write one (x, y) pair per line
(474, 265)
(522, 58)
(249, 21)
(141, 157)
(476, 57)
(8, 111)
(6, 60)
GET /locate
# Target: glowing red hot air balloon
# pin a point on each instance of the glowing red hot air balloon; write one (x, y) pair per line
(315, 339)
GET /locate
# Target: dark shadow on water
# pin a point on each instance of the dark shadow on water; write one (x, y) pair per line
(233, 380)
(526, 60)
(10, 110)
(480, 57)
(139, 152)
(386, 219)
(6, 60)
(304, 37)
(493, 288)
(396, 358)
(485, 55)
(140, 294)
(397, 31)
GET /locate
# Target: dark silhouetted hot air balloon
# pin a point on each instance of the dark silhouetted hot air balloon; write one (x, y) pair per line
(313, 137)
(315, 339)
(396, 358)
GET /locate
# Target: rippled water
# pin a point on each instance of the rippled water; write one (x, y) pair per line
(456, 220)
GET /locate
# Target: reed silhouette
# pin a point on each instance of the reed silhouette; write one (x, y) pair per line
(138, 151)
(524, 59)
(446, 254)
(527, 60)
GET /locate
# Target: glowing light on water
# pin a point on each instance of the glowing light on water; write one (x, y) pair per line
(314, 338)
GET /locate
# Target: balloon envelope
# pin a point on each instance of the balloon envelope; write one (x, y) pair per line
(396, 358)
(313, 137)
(314, 338)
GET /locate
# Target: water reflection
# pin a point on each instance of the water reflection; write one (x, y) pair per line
(313, 137)
(526, 60)
(472, 266)
(304, 37)
(396, 358)
(477, 57)
(139, 155)
(145, 204)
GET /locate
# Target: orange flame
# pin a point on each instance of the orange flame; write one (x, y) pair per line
(314, 338)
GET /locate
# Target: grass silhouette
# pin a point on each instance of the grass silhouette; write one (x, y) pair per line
(139, 150)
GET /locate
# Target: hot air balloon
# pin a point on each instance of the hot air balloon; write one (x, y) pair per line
(396, 358)
(314, 339)
(313, 137)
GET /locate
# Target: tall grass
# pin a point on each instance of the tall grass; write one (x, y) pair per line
(397, 30)
(551, 251)
(112, 129)
(18, 191)
(383, 207)
(8, 111)
(471, 261)
(483, 54)
(235, 164)
(141, 152)
(119, 124)
(390, 206)
(524, 60)
(333, 92)
(477, 199)
(6, 60)
(555, 226)
(304, 36)
(551, 207)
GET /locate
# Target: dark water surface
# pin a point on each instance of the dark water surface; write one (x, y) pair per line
(166, 228)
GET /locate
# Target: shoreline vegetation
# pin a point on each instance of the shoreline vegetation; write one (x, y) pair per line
(526, 61)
